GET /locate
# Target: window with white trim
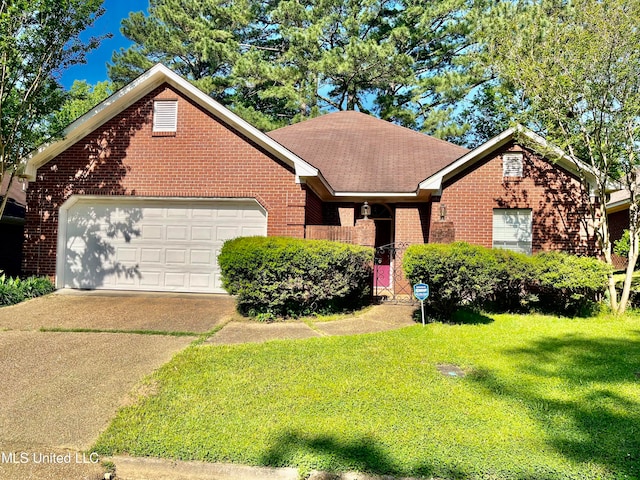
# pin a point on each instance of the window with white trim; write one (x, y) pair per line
(512, 164)
(165, 116)
(512, 229)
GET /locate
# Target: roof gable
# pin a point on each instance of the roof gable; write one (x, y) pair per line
(534, 141)
(136, 90)
(359, 153)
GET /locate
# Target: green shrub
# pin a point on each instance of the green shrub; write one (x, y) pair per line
(569, 284)
(15, 290)
(292, 277)
(621, 246)
(10, 291)
(463, 275)
(459, 274)
(515, 271)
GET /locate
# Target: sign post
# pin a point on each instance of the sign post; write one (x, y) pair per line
(421, 292)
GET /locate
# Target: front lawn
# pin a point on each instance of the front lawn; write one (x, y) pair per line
(544, 398)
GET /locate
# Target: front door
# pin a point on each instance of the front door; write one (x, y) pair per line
(384, 239)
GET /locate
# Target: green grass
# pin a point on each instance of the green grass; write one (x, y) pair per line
(544, 398)
(134, 332)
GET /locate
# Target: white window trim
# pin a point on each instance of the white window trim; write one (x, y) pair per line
(165, 116)
(513, 229)
(512, 164)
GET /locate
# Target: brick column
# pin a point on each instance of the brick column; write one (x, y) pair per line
(364, 232)
(442, 232)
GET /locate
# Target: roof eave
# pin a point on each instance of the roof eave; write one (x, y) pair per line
(434, 182)
(618, 206)
(574, 166)
(140, 87)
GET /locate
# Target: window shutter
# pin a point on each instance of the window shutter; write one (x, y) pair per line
(512, 229)
(512, 165)
(165, 115)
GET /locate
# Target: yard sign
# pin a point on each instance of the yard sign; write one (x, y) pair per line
(421, 292)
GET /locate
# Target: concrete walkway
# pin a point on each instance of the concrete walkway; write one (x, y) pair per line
(376, 319)
(61, 389)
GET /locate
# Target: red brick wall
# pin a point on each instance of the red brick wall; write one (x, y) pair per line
(205, 158)
(331, 213)
(558, 203)
(412, 222)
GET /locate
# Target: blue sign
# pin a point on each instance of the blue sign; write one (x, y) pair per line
(421, 291)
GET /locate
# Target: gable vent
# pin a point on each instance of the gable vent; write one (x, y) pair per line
(165, 115)
(512, 165)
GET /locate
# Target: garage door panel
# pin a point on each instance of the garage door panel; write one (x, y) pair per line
(202, 233)
(224, 233)
(228, 213)
(152, 232)
(175, 256)
(129, 255)
(126, 281)
(250, 232)
(177, 213)
(151, 256)
(151, 279)
(136, 244)
(201, 257)
(203, 213)
(174, 279)
(200, 280)
(176, 232)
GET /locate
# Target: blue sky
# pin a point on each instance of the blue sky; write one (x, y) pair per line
(96, 69)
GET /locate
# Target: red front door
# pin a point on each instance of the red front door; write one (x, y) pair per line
(383, 258)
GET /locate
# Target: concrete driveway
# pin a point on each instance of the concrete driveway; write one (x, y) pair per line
(60, 389)
(71, 309)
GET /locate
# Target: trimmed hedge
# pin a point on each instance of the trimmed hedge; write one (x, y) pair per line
(288, 277)
(569, 284)
(16, 290)
(463, 275)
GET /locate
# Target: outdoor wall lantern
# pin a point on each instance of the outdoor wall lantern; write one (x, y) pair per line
(365, 210)
(443, 212)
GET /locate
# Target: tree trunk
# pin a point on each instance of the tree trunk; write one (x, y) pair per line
(626, 288)
(634, 247)
(604, 241)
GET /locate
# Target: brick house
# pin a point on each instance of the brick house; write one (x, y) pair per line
(144, 189)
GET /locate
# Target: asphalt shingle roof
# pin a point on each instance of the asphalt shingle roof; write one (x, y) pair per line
(359, 153)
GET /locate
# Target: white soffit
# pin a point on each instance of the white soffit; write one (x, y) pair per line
(140, 87)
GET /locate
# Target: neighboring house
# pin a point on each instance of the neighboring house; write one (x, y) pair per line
(618, 213)
(144, 189)
(12, 226)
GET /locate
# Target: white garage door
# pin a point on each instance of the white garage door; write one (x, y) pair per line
(153, 245)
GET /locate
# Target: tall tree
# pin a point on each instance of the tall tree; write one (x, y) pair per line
(38, 40)
(80, 98)
(407, 61)
(278, 61)
(490, 109)
(577, 65)
(201, 40)
(440, 39)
